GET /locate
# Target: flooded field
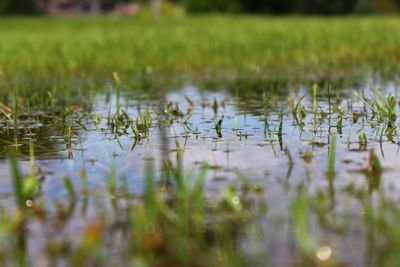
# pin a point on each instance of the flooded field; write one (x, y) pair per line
(278, 174)
(262, 141)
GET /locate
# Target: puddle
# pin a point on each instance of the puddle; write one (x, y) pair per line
(258, 136)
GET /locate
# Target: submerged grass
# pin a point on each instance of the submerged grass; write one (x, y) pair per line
(17, 183)
(331, 157)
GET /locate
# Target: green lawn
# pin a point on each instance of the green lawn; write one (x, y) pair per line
(38, 55)
(71, 47)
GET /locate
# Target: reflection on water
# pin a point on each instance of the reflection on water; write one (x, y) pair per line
(258, 132)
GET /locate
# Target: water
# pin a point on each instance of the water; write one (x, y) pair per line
(256, 149)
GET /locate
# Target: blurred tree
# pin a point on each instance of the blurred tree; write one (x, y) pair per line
(3, 6)
(291, 6)
(329, 6)
(300, 6)
(272, 6)
(18, 7)
(110, 4)
(377, 6)
(200, 6)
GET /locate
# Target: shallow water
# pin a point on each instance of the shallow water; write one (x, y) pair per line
(255, 148)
